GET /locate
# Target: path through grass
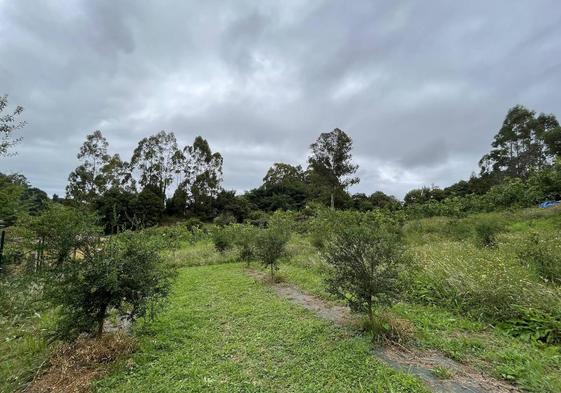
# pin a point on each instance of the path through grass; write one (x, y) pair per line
(224, 332)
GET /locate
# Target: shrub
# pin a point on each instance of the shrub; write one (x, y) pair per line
(365, 264)
(245, 239)
(193, 224)
(224, 219)
(126, 274)
(56, 235)
(222, 238)
(329, 222)
(271, 246)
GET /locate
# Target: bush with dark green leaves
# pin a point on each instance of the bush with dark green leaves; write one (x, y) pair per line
(365, 264)
(224, 219)
(57, 234)
(222, 238)
(245, 237)
(271, 246)
(125, 274)
(326, 223)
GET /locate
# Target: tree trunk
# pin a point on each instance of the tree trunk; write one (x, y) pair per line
(371, 320)
(332, 200)
(100, 321)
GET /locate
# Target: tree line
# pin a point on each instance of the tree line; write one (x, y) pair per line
(164, 181)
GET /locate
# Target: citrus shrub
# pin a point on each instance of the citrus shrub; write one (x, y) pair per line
(245, 237)
(126, 274)
(222, 238)
(365, 264)
(271, 246)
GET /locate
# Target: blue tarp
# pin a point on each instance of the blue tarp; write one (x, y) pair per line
(547, 204)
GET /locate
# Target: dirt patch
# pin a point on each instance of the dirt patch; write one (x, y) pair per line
(461, 378)
(337, 314)
(74, 366)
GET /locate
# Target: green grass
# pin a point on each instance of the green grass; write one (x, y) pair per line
(533, 366)
(24, 322)
(224, 332)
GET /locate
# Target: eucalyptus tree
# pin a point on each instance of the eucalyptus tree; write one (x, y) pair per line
(202, 176)
(330, 164)
(524, 143)
(9, 124)
(87, 181)
(157, 159)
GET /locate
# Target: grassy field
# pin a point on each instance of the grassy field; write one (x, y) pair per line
(224, 332)
(468, 276)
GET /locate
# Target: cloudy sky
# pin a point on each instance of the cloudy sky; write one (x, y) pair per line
(421, 86)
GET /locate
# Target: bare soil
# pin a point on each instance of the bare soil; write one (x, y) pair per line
(463, 378)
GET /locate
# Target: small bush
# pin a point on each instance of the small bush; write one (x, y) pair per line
(536, 325)
(222, 238)
(126, 274)
(193, 224)
(224, 219)
(271, 246)
(245, 239)
(365, 264)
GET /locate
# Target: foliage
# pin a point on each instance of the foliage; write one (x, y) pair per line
(326, 223)
(222, 238)
(56, 235)
(224, 219)
(485, 283)
(523, 144)
(535, 325)
(245, 238)
(157, 159)
(192, 224)
(330, 165)
(98, 171)
(365, 264)
(271, 246)
(126, 274)
(9, 124)
(18, 197)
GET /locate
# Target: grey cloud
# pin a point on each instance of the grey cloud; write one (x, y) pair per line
(420, 86)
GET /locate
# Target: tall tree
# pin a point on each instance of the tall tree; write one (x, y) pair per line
(523, 144)
(9, 124)
(87, 181)
(283, 174)
(158, 159)
(330, 164)
(202, 173)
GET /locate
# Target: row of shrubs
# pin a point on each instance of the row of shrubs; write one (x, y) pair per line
(475, 265)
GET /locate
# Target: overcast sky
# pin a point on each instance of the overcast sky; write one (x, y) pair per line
(420, 86)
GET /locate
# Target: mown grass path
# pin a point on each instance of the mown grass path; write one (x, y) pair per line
(225, 332)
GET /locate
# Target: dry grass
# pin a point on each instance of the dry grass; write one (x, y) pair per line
(74, 366)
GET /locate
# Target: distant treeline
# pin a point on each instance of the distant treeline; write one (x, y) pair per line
(163, 181)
